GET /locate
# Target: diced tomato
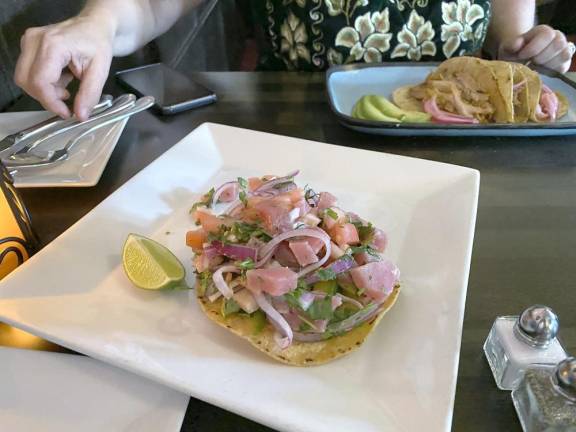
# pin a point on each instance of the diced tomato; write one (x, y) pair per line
(303, 252)
(196, 238)
(254, 183)
(275, 281)
(344, 234)
(209, 221)
(377, 279)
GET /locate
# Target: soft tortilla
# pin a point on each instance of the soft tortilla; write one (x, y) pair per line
(521, 102)
(563, 104)
(404, 99)
(299, 353)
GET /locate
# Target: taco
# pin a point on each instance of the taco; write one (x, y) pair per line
(290, 272)
(471, 90)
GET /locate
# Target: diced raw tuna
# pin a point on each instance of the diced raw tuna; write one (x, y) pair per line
(303, 252)
(303, 206)
(377, 279)
(335, 252)
(274, 281)
(246, 301)
(326, 200)
(315, 243)
(345, 234)
(205, 262)
(274, 214)
(230, 193)
(284, 255)
(380, 240)
(365, 258)
(330, 222)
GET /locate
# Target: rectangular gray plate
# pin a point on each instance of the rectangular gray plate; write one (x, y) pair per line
(347, 84)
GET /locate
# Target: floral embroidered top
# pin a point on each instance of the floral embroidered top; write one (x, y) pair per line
(314, 34)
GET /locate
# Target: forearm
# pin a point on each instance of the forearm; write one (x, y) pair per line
(133, 23)
(510, 18)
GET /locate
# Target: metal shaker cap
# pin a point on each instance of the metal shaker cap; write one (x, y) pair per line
(566, 376)
(537, 326)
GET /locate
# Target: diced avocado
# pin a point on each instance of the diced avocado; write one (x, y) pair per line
(328, 286)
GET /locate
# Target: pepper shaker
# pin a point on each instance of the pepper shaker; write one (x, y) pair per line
(545, 399)
(515, 342)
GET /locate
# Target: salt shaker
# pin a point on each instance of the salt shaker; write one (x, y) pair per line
(518, 341)
(545, 399)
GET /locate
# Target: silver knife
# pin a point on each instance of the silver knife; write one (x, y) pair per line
(119, 104)
(52, 122)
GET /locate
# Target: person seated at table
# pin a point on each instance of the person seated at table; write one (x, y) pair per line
(301, 35)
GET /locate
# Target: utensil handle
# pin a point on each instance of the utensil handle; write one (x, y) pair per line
(118, 105)
(141, 104)
(105, 102)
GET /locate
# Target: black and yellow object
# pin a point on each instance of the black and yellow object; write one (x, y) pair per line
(17, 240)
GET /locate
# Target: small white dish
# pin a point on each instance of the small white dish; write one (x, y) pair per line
(347, 84)
(87, 159)
(49, 392)
(74, 292)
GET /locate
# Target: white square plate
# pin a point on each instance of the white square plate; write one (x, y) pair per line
(48, 392)
(74, 291)
(86, 162)
(347, 84)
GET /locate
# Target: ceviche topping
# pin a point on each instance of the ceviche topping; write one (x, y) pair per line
(265, 245)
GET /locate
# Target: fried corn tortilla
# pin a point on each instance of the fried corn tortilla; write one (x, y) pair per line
(298, 353)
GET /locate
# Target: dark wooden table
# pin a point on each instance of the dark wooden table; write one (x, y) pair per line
(525, 245)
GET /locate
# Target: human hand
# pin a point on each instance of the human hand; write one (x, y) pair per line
(542, 45)
(53, 55)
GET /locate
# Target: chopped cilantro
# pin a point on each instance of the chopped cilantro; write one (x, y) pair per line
(259, 320)
(247, 264)
(205, 202)
(326, 274)
(244, 231)
(343, 312)
(304, 326)
(321, 309)
(243, 198)
(229, 306)
(331, 213)
(359, 249)
(242, 182)
(292, 298)
(204, 280)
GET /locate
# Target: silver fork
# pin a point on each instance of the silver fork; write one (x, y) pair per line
(43, 158)
(12, 140)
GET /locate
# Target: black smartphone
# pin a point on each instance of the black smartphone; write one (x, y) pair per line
(174, 92)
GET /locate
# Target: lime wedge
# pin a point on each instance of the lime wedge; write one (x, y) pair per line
(149, 265)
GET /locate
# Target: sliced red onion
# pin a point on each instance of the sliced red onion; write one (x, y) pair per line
(440, 116)
(285, 334)
(277, 189)
(346, 299)
(219, 281)
(306, 300)
(219, 192)
(233, 207)
(270, 184)
(210, 252)
(343, 326)
(300, 232)
(341, 265)
(236, 251)
(336, 302)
